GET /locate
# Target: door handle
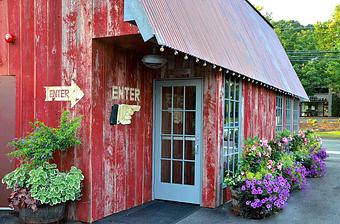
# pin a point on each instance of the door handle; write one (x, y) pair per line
(196, 148)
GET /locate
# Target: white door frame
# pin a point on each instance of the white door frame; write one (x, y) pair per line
(199, 135)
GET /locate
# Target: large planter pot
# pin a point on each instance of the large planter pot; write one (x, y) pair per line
(235, 205)
(44, 214)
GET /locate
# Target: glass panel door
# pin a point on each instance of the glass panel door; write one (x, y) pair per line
(178, 140)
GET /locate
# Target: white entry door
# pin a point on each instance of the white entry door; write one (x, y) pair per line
(178, 137)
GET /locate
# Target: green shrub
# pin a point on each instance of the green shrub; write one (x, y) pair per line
(52, 187)
(39, 145)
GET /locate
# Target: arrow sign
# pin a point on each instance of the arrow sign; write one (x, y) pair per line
(64, 93)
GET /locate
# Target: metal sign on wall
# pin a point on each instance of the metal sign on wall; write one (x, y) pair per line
(122, 113)
(64, 93)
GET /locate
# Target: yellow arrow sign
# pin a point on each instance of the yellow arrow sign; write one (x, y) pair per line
(64, 93)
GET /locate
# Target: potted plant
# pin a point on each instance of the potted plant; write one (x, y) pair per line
(39, 189)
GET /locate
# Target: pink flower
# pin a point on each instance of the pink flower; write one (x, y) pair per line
(279, 166)
(253, 148)
(264, 142)
(284, 140)
(259, 154)
(270, 162)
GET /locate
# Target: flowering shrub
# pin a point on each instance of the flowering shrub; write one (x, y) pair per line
(296, 176)
(270, 170)
(322, 154)
(255, 161)
(260, 198)
(315, 167)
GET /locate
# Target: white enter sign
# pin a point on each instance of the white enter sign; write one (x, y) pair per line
(125, 93)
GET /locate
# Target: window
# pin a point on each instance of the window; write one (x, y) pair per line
(296, 115)
(232, 120)
(289, 122)
(279, 113)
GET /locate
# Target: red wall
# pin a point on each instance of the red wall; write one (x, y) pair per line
(121, 155)
(259, 111)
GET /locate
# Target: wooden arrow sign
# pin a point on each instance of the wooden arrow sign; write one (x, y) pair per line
(64, 93)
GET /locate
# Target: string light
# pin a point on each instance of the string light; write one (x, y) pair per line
(227, 71)
(233, 73)
(197, 60)
(205, 64)
(244, 78)
(248, 80)
(239, 76)
(176, 53)
(214, 66)
(186, 57)
(220, 69)
(161, 49)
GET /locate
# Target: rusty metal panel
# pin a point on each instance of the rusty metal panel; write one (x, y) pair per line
(7, 131)
(228, 33)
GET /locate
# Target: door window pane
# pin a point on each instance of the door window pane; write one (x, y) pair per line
(189, 150)
(178, 97)
(177, 172)
(166, 149)
(190, 123)
(178, 149)
(166, 122)
(178, 122)
(166, 98)
(189, 173)
(165, 172)
(190, 97)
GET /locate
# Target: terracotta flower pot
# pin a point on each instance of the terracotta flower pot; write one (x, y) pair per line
(44, 214)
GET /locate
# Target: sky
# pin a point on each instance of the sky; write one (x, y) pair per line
(304, 11)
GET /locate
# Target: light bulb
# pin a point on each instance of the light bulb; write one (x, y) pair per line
(186, 57)
(176, 53)
(161, 49)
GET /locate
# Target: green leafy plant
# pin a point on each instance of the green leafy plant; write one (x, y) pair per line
(18, 177)
(39, 145)
(50, 186)
(36, 181)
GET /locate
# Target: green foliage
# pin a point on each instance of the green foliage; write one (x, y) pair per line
(39, 145)
(36, 179)
(255, 160)
(317, 71)
(287, 160)
(50, 186)
(336, 106)
(17, 177)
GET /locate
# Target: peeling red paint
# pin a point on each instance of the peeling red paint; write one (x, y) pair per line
(55, 44)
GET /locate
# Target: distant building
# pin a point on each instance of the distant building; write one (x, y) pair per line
(319, 105)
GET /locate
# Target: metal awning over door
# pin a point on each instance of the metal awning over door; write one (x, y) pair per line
(227, 33)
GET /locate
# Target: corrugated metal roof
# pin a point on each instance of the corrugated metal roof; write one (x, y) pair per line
(228, 33)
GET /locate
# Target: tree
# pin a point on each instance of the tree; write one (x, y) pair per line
(314, 51)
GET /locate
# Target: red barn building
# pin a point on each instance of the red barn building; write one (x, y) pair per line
(223, 76)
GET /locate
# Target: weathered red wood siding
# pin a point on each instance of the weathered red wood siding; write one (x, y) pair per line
(108, 19)
(51, 48)
(259, 111)
(121, 154)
